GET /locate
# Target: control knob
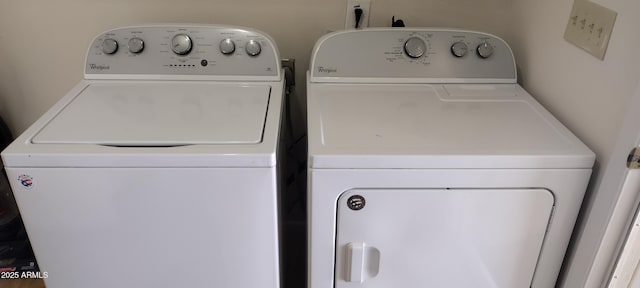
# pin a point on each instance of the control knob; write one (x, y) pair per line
(459, 49)
(181, 44)
(136, 45)
(253, 48)
(415, 47)
(227, 46)
(484, 50)
(109, 46)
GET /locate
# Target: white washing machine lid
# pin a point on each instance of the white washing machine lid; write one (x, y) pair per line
(436, 126)
(148, 113)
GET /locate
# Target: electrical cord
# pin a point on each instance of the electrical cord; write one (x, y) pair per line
(396, 23)
(358, 13)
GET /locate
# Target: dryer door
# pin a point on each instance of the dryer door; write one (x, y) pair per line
(440, 237)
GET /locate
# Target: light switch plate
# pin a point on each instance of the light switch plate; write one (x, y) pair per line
(590, 26)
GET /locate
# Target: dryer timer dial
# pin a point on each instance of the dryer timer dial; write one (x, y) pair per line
(415, 47)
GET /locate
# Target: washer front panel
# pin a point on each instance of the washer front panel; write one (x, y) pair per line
(178, 227)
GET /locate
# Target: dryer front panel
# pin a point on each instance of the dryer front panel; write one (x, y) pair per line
(440, 237)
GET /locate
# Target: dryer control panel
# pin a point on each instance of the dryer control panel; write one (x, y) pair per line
(412, 55)
(179, 51)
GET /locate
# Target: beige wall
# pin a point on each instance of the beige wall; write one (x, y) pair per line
(43, 42)
(588, 95)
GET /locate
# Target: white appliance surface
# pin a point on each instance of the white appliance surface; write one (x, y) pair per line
(438, 126)
(454, 240)
(429, 166)
(159, 169)
(160, 227)
(123, 113)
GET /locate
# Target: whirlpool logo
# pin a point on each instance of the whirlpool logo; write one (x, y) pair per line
(322, 69)
(99, 67)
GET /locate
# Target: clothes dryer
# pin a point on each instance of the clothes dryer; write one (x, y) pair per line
(429, 166)
(159, 169)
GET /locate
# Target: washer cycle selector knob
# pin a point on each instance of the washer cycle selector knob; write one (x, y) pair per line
(415, 47)
(227, 46)
(109, 46)
(484, 50)
(181, 44)
(459, 49)
(136, 45)
(253, 48)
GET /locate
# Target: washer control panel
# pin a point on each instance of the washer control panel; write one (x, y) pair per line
(420, 55)
(182, 50)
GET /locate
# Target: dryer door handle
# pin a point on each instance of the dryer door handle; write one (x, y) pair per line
(363, 261)
(355, 262)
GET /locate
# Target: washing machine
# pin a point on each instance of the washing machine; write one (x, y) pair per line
(160, 167)
(429, 166)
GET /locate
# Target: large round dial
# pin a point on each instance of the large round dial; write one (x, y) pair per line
(459, 49)
(181, 44)
(227, 46)
(415, 47)
(109, 46)
(136, 45)
(253, 48)
(485, 50)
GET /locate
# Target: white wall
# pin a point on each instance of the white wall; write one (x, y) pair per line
(588, 95)
(43, 42)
